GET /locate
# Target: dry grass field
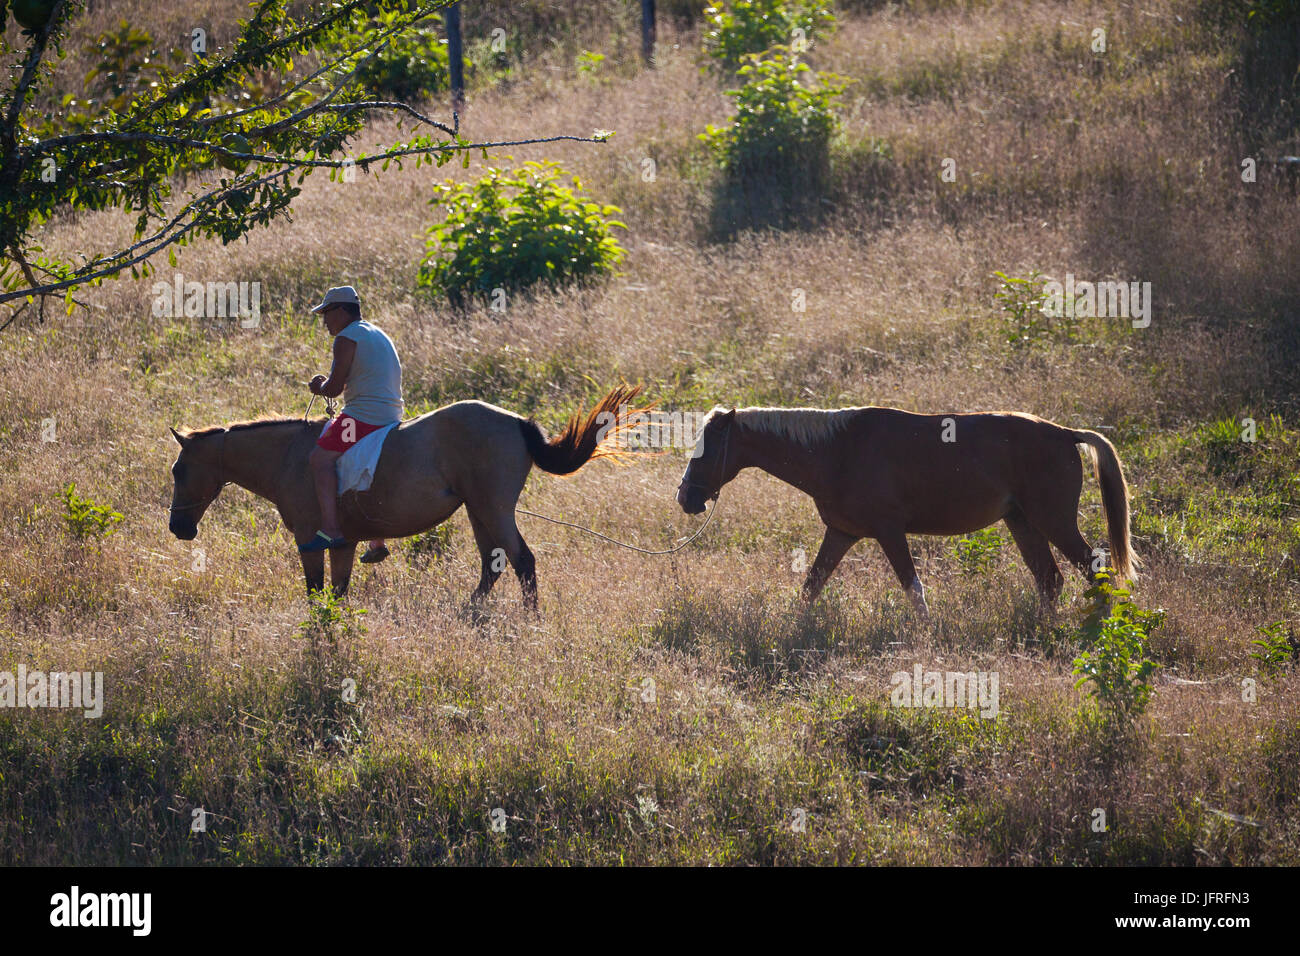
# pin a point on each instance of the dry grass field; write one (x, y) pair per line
(687, 709)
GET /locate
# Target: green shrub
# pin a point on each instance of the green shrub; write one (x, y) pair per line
(781, 132)
(85, 518)
(1115, 633)
(1226, 454)
(128, 65)
(513, 230)
(431, 544)
(324, 698)
(978, 552)
(1023, 302)
(1278, 648)
(330, 619)
(588, 63)
(744, 27)
(1265, 463)
(413, 65)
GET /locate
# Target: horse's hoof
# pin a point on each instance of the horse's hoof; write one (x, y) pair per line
(474, 613)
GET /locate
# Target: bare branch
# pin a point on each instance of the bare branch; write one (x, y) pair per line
(176, 228)
(289, 161)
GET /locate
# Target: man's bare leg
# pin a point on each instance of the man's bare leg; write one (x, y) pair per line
(327, 489)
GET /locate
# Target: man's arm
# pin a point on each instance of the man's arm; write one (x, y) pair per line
(345, 350)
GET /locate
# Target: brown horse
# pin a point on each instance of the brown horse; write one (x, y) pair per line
(884, 473)
(469, 453)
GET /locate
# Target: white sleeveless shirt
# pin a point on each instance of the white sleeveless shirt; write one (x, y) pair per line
(373, 391)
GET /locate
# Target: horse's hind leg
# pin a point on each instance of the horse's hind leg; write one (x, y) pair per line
(1037, 552)
(1052, 507)
(496, 533)
(1066, 536)
(526, 571)
(492, 564)
(1061, 527)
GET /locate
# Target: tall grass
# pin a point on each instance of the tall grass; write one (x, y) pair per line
(687, 709)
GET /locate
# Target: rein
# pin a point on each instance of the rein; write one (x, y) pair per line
(722, 470)
(622, 544)
(175, 508)
(329, 407)
(221, 457)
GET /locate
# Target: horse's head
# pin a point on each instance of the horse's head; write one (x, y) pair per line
(711, 466)
(196, 482)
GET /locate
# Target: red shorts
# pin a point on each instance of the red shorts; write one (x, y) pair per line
(344, 432)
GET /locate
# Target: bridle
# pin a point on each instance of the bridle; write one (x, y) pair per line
(721, 468)
(221, 460)
(175, 508)
(221, 464)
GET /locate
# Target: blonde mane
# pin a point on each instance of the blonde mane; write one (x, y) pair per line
(807, 426)
(250, 423)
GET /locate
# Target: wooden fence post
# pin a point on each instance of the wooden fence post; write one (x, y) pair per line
(648, 31)
(455, 57)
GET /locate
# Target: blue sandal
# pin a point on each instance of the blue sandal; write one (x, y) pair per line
(322, 542)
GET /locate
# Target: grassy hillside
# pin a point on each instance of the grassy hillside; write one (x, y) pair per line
(684, 709)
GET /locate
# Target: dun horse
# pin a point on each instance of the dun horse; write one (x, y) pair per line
(469, 453)
(884, 473)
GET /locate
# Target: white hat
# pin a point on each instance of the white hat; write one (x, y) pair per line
(339, 295)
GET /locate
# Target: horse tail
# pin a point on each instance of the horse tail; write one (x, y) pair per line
(584, 439)
(1114, 500)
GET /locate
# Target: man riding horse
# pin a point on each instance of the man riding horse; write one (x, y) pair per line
(368, 373)
(469, 454)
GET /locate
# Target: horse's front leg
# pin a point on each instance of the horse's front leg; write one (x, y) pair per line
(894, 544)
(341, 568)
(835, 545)
(313, 569)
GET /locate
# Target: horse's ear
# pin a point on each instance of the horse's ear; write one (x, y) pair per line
(731, 413)
(180, 439)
